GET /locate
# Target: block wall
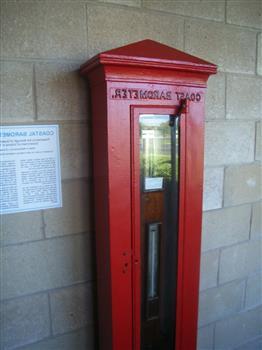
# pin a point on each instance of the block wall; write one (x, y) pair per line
(47, 257)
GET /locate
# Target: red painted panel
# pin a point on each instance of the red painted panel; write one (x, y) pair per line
(101, 199)
(120, 226)
(190, 227)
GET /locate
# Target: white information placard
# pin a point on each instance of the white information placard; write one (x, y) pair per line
(30, 174)
(153, 183)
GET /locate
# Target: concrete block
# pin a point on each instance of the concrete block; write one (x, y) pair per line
(238, 329)
(44, 29)
(227, 43)
(229, 142)
(82, 339)
(74, 216)
(256, 224)
(213, 188)
(195, 8)
(252, 345)
(240, 260)
(242, 184)
(75, 151)
(225, 227)
(24, 321)
(72, 308)
(245, 13)
(61, 92)
(243, 91)
(209, 269)
(43, 265)
(104, 32)
(21, 227)
(258, 141)
(205, 338)
(254, 290)
(217, 303)
(136, 3)
(259, 54)
(16, 86)
(215, 98)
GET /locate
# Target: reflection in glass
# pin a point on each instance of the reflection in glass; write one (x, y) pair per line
(159, 172)
(153, 261)
(155, 146)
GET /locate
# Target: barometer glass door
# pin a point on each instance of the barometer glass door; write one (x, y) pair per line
(159, 175)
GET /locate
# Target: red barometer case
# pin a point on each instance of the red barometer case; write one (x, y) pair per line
(148, 136)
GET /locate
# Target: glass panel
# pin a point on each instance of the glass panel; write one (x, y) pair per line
(159, 161)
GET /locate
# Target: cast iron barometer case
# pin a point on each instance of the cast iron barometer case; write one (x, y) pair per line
(148, 132)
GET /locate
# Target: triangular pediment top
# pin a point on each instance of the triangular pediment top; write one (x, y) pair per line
(151, 49)
(149, 53)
